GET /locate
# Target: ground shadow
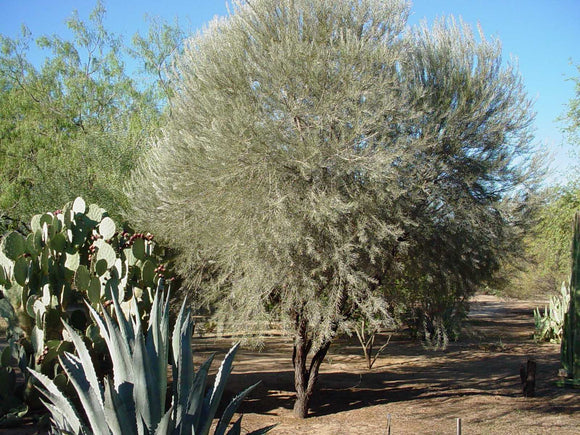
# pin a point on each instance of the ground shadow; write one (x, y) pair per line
(408, 372)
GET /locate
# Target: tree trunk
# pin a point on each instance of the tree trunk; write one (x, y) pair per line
(528, 378)
(305, 379)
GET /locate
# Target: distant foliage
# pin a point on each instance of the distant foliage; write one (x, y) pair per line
(545, 261)
(571, 117)
(75, 125)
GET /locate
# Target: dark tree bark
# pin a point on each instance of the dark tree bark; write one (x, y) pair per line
(305, 379)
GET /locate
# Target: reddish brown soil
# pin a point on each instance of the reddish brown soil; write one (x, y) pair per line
(475, 379)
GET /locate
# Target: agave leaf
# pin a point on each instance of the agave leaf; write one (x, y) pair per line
(176, 339)
(231, 409)
(141, 426)
(86, 362)
(236, 429)
(59, 421)
(262, 430)
(61, 404)
(120, 353)
(90, 400)
(118, 348)
(166, 425)
(191, 412)
(183, 372)
(157, 344)
(213, 398)
(146, 386)
(124, 325)
(118, 412)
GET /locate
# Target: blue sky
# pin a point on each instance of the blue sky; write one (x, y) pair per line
(543, 35)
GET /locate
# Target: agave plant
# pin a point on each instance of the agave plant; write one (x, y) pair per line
(134, 400)
(549, 326)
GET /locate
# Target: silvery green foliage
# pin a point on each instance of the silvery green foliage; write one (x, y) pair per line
(321, 152)
(134, 400)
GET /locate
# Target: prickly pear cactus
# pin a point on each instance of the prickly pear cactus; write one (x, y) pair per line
(73, 255)
(571, 337)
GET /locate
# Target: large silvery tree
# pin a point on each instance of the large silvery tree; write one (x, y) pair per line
(319, 150)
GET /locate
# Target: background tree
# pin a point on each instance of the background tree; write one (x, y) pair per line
(75, 125)
(571, 118)
(320, 157)
(546, 260)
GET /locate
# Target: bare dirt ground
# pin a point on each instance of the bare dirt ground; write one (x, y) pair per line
(475, 379)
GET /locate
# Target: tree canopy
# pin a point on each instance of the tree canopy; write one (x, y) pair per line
(75, 125)
(548, 244)
(321, 154)
(571, 117)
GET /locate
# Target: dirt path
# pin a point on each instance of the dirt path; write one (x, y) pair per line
(476, 379)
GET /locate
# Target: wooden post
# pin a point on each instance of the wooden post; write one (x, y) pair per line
(388, 424)
(528, 378)
(458, 426)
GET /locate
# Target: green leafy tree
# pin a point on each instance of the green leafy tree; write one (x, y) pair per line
(550, 245)
(319, 155)
(546, 261)
(571, 118)
(75, 125)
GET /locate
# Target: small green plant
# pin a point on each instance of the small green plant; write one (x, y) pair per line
(549, 325)
(134, 400)
(435, 336)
